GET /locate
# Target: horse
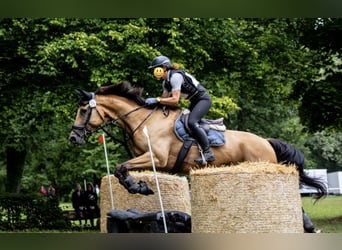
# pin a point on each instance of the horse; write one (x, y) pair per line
(122, 104)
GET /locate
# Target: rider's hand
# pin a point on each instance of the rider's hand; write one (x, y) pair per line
(150, 102)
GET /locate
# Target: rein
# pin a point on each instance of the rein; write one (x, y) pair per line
(125, 134)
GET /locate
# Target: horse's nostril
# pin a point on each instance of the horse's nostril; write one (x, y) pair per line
(72, 139)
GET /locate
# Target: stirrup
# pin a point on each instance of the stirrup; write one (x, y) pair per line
(201, 160)
(205, 157)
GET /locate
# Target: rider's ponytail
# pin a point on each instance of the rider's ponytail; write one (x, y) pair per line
(175, 66)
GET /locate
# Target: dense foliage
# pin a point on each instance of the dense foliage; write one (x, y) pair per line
(273, 77)
(30, 211)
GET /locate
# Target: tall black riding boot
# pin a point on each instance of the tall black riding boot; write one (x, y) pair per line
(202, 139)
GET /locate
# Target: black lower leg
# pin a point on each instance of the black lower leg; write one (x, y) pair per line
(308, 224)
(200, 135)
(130, 184)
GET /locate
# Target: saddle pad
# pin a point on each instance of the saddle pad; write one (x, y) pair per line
(216, 138)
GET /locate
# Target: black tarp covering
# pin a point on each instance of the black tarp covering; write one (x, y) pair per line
(133, 221)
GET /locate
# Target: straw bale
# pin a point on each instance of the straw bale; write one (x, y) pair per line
(257, 197)
(174, 193)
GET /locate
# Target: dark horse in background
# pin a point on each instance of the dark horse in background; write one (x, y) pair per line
(122, 104)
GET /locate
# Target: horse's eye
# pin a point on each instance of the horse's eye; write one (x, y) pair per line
(83, 111)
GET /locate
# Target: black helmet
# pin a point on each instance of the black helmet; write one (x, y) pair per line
(160, 61)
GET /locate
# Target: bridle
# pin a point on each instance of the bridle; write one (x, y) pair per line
(84, 132)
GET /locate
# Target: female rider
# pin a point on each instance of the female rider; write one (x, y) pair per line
(176, 84)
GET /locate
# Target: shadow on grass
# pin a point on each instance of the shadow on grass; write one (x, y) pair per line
(329, 225)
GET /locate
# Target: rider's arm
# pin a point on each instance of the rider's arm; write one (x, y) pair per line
(170, 100)
(173, 98)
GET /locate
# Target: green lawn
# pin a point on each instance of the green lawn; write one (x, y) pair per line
(65, 205)
(326, 214)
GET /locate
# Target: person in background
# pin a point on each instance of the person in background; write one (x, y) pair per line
(77, 199)
(93, 210)
(43, 191)
(51, 193)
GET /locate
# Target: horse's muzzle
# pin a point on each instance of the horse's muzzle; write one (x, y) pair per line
(76, 139)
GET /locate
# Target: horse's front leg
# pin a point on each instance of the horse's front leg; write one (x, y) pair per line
(125, 179)
(122, 173)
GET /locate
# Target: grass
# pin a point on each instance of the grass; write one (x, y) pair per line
(326, 214)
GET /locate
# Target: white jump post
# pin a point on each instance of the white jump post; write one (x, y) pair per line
(103, 141)
(156, 177)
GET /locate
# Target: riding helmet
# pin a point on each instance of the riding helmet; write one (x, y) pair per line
(160, 61)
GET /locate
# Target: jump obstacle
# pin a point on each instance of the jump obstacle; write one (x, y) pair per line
(174, 192)
(256, 197)
(253, 197)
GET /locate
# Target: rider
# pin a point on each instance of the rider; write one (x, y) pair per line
(177, 84)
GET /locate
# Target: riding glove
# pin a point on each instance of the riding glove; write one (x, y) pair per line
(151, 101)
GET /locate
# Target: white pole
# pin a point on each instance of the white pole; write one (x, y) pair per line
(155, 176)
(108, 172)
(85, 184)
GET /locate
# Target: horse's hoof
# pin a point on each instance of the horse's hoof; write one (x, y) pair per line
(144, 189)
(149, 191)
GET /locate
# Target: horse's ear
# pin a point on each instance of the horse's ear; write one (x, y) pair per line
(85, 97)
(78, 92)
(83, 94)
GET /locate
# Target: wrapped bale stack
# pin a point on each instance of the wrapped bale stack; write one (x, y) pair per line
(253, 197)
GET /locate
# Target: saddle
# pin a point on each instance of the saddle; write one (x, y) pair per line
(214, 129)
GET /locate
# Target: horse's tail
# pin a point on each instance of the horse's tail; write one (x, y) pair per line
(289, 155)
(314, 182)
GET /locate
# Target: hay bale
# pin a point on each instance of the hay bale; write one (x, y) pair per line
(247, 198)
(174, 193)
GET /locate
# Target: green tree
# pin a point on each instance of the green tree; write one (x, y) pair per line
(273, 62)
(326, 150)
(321, 96)
(322, 104)
(42, 61)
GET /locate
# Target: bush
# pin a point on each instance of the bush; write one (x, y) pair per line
(30, 211)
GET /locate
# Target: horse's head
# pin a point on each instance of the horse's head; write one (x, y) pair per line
(92, 113)
(86, 121)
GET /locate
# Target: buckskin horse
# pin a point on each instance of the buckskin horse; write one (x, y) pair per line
(123, 105)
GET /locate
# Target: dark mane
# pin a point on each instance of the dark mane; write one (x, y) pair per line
(124, 89)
